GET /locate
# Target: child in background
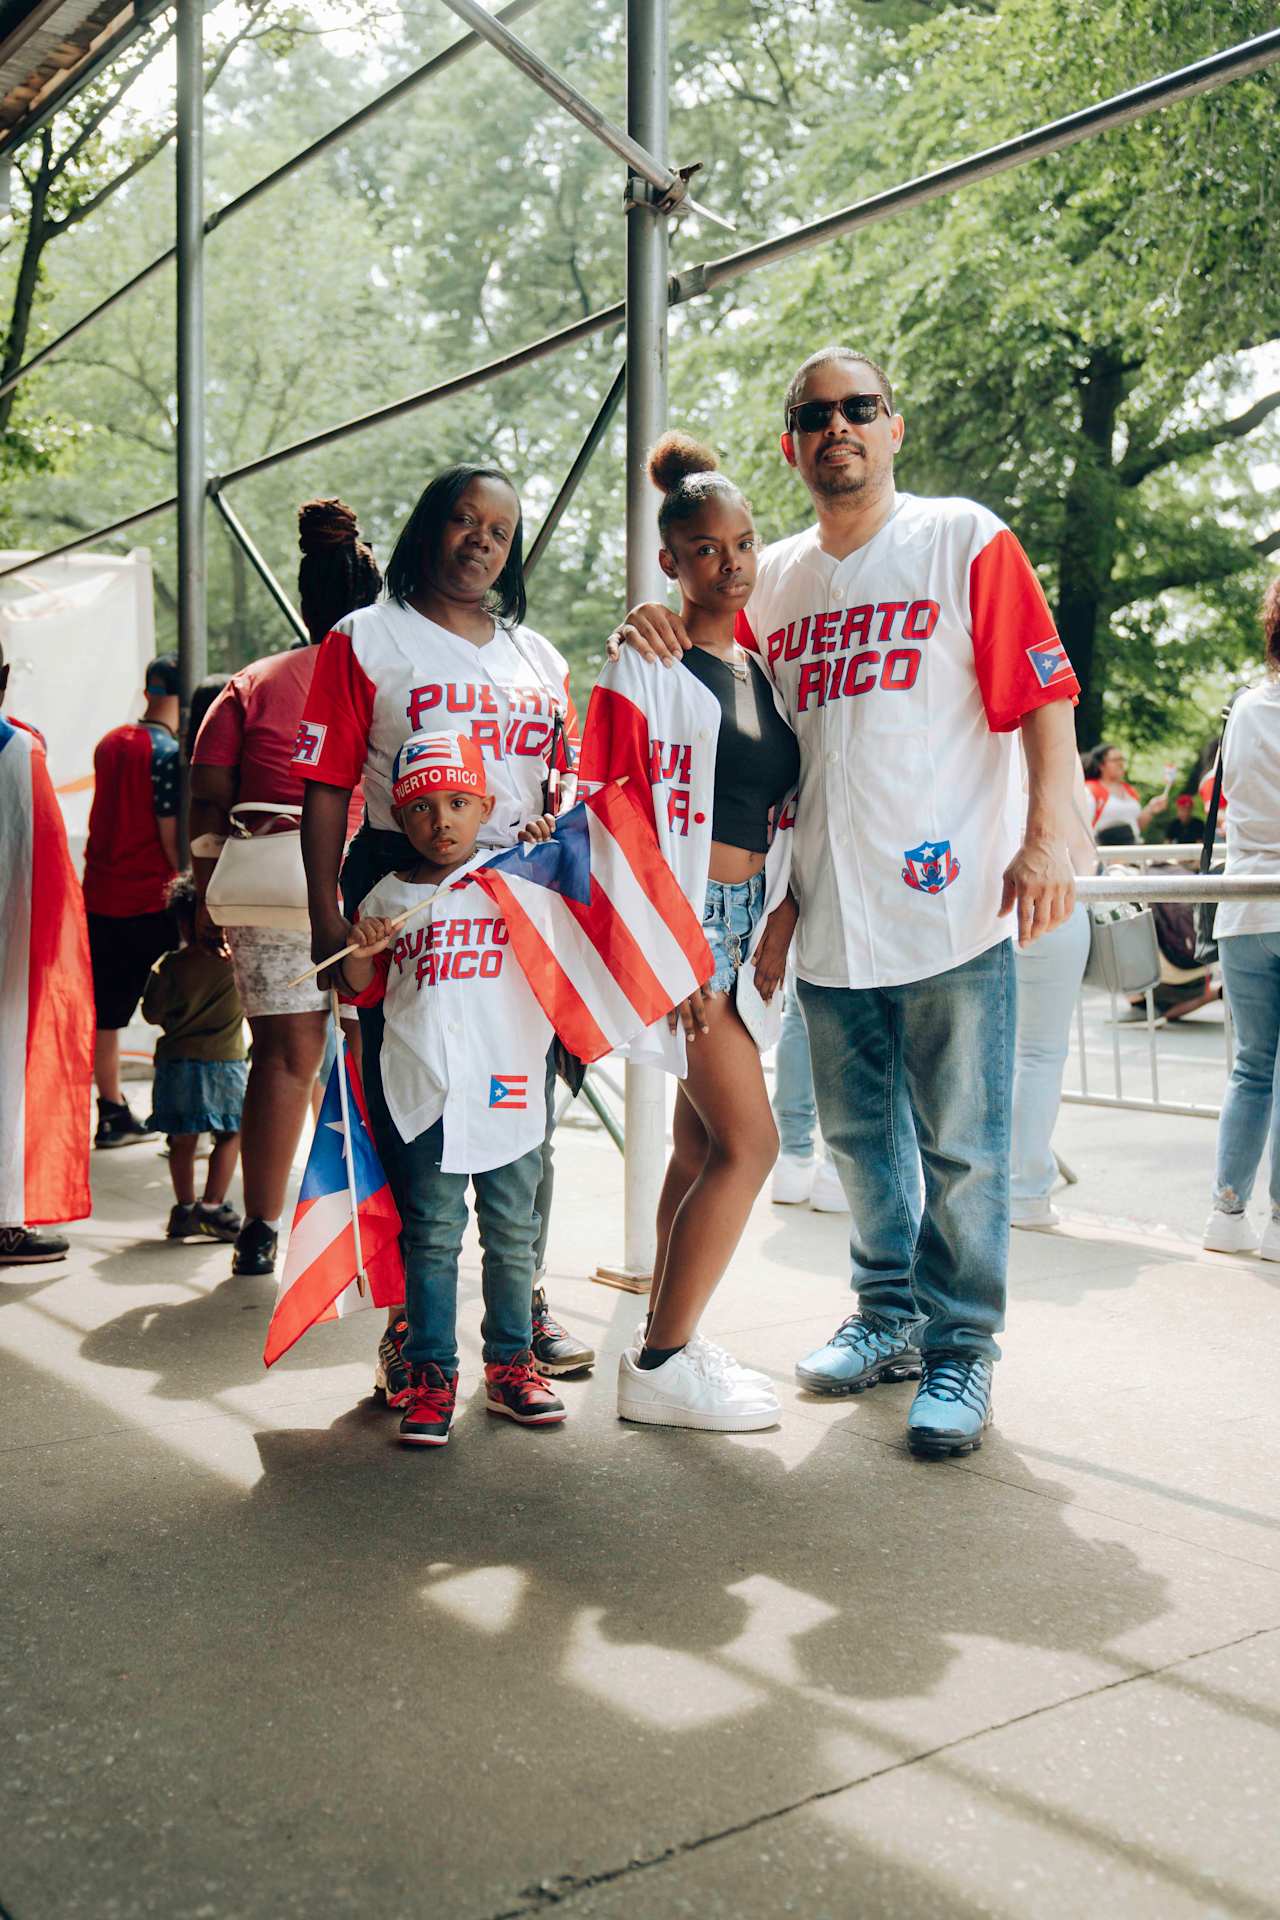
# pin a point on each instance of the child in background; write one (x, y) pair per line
(463, 1073)
(200, 1071)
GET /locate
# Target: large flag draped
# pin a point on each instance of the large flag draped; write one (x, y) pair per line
(599, 924)
(46, 999)
(319, 1277)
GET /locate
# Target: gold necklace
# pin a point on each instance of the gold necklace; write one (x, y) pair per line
(737, 662)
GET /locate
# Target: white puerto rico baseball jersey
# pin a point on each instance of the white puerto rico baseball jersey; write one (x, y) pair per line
(661, 729)
(464, 1036)
(387, 671)
(905, 670)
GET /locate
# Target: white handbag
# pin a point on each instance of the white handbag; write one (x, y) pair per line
(260, 880)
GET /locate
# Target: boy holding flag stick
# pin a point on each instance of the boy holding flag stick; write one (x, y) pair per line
(463, 1065)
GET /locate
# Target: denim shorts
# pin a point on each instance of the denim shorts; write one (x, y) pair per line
(729, 916)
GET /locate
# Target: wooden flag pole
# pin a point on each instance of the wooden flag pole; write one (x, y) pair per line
(347, 1148)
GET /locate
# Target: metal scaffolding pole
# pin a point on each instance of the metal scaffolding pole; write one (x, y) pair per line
(595, 434)
(192, 640)
(646, 368)
(335, 137)
(239, 533)
(1231, 64)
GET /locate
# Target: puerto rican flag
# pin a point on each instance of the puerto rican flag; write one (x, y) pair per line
(319, 1277)
(1049, 662)
(599, 924)
(46, 999)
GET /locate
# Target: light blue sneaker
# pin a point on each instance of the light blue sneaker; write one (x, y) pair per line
(952, 1407)
(859, 1353)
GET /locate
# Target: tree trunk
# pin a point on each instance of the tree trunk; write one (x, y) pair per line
(24, 293)
(1088, 549)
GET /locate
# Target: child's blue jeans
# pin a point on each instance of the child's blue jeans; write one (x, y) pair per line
(433, 1207)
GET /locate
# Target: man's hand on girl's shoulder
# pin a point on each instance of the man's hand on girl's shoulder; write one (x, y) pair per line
(652, 631)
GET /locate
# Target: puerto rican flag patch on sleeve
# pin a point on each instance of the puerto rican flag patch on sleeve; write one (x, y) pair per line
(509, 1091)
(309, 744)
(1049, 662)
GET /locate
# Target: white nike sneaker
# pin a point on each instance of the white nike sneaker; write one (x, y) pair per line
(1037, 1216)
(1230, 1233)
(792, 1180)
(1270, 1248)
(692, 1390)
(826, 1194)
(721, 1357)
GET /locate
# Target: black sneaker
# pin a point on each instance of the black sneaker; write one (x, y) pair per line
(555, 1349)
(393, 1375)
(24, 1247)
(118, 1126)
(219, 1223)
(182, 1223)
(255, 1248)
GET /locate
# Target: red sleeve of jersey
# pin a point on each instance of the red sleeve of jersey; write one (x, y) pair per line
(220, 740)
(742, 633)
(1020, 661)
(373, 994)
(333, 738)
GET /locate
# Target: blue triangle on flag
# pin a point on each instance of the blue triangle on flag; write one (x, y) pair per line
(326, 1168)
(562, 864)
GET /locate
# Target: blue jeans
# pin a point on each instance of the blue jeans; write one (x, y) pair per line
(729, 914)
(794, 1107)
(927, 1067)
(1251, 974)
(1049, 972)
(547, 1182)
(434, 1215)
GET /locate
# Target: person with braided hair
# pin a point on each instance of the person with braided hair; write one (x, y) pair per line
(243, 753)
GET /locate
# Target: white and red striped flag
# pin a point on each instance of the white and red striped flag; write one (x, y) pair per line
(319, 1277)
(46, 999)
(599, 924)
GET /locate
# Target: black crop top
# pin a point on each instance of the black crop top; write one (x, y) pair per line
(757, 755)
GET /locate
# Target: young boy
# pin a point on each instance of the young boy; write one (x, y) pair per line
(463, 1064)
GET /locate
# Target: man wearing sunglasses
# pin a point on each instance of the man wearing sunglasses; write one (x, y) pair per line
(912, 644)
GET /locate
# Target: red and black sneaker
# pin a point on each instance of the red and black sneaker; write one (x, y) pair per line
(432, 1396)
(518, 1391)
(393, 1375)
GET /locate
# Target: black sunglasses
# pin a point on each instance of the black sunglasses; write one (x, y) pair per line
(859, 409)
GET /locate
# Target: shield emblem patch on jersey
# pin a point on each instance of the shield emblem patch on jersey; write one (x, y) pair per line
(930, 867)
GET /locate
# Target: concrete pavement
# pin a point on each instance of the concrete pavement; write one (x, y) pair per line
(263, 1662)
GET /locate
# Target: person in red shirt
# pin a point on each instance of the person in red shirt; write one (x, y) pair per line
(131, 857)
(244, 752)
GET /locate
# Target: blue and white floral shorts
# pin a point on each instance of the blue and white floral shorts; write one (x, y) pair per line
(729, 916)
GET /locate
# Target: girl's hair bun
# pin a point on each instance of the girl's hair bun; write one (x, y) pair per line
(675, 457)
(326, 523)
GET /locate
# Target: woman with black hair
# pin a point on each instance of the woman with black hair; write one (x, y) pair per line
(447, 649)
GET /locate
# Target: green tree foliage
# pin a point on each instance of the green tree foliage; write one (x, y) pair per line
(1071, 340)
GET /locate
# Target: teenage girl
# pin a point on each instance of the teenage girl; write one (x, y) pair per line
(743, 762)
